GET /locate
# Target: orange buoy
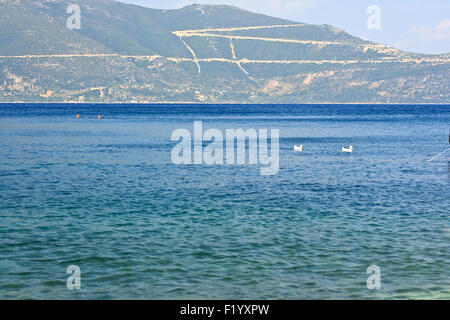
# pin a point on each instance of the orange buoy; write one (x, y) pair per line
(78, 116)
(99, 117)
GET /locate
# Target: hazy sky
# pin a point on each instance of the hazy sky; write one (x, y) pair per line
(412, 25)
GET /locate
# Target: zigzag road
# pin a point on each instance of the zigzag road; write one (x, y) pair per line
(400, 57)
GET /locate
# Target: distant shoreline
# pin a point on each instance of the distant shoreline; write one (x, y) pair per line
(234, 103)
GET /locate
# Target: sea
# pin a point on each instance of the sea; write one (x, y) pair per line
(104, 195)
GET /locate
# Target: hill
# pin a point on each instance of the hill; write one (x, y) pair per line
(202, 53)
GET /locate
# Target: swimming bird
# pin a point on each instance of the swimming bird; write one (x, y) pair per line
(298, 148)
(349, 150)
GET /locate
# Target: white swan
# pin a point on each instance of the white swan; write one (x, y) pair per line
(349, 150)
(298, 148)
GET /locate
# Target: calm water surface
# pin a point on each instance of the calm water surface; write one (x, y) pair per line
(104, 195)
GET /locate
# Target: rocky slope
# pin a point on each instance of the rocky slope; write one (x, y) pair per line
(200, 53)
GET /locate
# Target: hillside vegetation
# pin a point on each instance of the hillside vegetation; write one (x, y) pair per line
(200, 53)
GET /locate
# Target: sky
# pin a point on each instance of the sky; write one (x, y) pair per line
(421, 26)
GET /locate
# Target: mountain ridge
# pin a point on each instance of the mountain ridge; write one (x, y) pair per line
(202, 53)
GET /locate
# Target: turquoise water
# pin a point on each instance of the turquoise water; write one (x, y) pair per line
(104, 195)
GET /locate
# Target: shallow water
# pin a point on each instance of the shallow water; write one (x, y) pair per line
(104, 195)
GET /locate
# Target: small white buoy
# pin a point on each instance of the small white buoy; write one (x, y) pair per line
(298, 148)
(348, 150)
